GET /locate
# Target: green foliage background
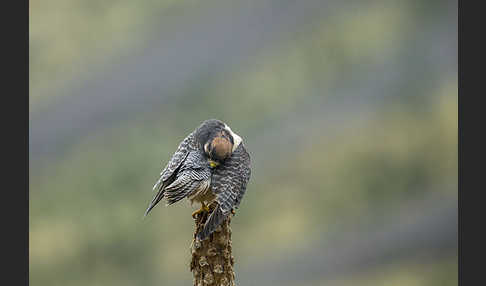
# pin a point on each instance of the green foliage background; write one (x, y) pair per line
(311, 178)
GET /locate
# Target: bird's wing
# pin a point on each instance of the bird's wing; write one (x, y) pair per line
(228, 183)
(166, 176)
(187, 145)
(193, 172)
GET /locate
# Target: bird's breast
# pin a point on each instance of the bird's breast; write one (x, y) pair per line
(203, 193)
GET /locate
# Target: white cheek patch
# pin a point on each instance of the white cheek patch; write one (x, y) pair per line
(206, 149)
(237, 139)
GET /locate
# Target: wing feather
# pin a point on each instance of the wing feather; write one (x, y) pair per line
(167, 176)
(187, 182)
(228, 183)
(185, 147)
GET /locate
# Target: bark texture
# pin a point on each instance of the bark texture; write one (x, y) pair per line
(212, 260)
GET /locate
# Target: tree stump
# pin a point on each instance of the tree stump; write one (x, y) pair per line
(212, 260)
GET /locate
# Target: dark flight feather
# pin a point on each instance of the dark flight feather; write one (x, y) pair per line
(228, 183)
(167, 176)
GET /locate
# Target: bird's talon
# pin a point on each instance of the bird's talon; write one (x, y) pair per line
(203, 208)
(194, 214)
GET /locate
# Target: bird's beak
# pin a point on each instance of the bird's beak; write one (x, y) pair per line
(213, 164)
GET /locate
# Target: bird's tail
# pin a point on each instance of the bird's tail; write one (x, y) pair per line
(215, 219)
(155, 200)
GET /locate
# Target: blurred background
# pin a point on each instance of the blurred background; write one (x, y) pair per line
(348, 110)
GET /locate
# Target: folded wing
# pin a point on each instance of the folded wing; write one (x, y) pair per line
(169, 173)
(228, 183)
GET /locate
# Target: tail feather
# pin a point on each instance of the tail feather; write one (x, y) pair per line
(155, 200)
(215, 219)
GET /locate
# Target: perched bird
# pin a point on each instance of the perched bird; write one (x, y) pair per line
(210, 165)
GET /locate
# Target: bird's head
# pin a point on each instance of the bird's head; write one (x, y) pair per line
(216, 140)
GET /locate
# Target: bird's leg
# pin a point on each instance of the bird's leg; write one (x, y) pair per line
(203, 208)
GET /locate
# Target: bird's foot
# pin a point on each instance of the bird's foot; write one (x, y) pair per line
(233, 211)
(203, 208)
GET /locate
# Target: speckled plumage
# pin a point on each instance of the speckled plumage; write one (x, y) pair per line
(193, 177)
(228, 183)
(169, 174)
(189, 173)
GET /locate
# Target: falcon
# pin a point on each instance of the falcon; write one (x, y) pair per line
(211, 165)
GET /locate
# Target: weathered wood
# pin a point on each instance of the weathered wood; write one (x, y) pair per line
(212, 260)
